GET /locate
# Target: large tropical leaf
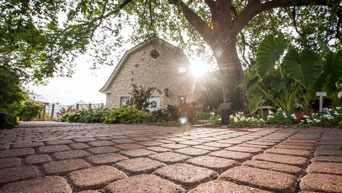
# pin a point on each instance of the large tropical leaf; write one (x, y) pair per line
(269, 52)
(254, 104)
(332, 68)
(304, 67)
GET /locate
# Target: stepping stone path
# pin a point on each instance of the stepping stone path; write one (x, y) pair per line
(72, 157)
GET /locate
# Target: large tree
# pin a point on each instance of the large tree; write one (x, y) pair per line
(41, 36)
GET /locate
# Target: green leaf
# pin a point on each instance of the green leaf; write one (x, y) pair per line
(304, 67)
(254, 104)
(323, 46)
(269, 52)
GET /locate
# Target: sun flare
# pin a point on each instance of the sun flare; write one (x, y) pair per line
(199, 68)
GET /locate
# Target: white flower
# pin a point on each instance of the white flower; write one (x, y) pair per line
(306, 117)
(309, 121)
(212, 113)
(270, 112)
(284, 115)
(294, 116)
(270, 116)
(236, 119)
(317, 120)
(338, 108)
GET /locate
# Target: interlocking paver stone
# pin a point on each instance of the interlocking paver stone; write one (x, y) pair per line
(53, 148)
(337, 159)
(285, 159)
(64, 166)
(18, 173)
(9, 162)
(129, 146)
(28, 144)
(251, 159)
(158, 149)
(240, 156)
(70, 154)
(321, 183)
(123, 141)
(169, 157)
(192, 151)
(245, 149)
(218, 145)
(264, 179)
(224, 186)
(185, 174)
(210, 148)
(101, 150)
(100, 143)
(143, 183)
(37, 159)
(78, 146)
(294, 170)
(137, 152)
(38, 185)
(85, 139)
(173, 146)
(325, 167)
(59, 142)
(139, 165)
(16, 152)
(95, 176)
(215, 163)
(303, 153)
(106, 158)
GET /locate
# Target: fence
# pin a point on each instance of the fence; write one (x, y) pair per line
(54, 110)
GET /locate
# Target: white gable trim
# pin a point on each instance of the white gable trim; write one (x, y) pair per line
(122, 61)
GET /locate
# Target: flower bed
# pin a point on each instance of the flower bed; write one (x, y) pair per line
(329, 117)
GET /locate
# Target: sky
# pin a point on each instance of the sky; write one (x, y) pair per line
(83, 85)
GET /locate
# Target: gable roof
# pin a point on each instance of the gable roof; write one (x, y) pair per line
(124, 58)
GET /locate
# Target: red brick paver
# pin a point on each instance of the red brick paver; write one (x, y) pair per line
(321, 183)
(143, 183)
(18, 173)
(94, 158)
(186, 174)
(106, 158)
(285, 159)
(9, 162)
(139, 165)
(224, 186)
(64, 166)
(95, 176)
(37, 159)
(265, 179)
(38, 185)
(215, 163)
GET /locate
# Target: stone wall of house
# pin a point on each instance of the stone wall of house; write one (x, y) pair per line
(162, 72)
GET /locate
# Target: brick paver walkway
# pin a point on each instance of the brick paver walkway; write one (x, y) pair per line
(62, 157)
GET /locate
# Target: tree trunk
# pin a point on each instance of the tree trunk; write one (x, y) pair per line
(232, 76)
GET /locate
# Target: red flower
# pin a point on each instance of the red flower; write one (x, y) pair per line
(303, 114)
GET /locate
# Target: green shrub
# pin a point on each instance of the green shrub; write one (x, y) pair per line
(202, 116)
(30, 110)
(215, 120)
(165, 115)
(127, 115)
(11, 96)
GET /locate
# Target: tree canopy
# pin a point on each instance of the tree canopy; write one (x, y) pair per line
(41, 38)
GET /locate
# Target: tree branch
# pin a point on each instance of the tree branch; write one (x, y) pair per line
(103, 15)
(196, 21)
(254, 7)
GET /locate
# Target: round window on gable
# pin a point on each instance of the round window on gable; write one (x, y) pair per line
(154, 54)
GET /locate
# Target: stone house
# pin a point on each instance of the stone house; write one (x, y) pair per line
(153, 63)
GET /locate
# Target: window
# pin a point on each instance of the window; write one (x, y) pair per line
(154, 54)
(124, 101)
(153, 104)
(182, 100)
